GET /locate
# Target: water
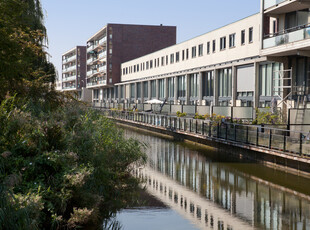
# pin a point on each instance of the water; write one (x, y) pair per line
(206, 188)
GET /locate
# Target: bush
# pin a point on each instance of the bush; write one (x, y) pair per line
(64, 168)
(179, 114)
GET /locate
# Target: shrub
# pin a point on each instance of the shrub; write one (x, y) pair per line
(179, 114)
(65, 167)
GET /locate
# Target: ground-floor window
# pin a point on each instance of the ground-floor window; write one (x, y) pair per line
(171, 87)
(181, 86)
(153, 89)
(139, 90)
(268, 87)
(207, 84)
(194, 86)
(132, 90)
(145, 89)
(161, 88)
(225, 82)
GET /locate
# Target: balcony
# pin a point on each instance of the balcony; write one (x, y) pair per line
(103, 68)
(90, 48)
(90, 60)
(270, 3)
(102, 40)
(71, 78)
(102, 55)
(96, 83)
(72, 58)
(68, 87)
(91, 72)
(288, 36)
(276, 7)
(69, 69)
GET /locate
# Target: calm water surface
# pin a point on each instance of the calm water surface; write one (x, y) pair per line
(205, 188)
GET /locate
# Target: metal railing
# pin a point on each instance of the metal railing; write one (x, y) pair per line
(290, 142)
(294, 34)
(270, 3)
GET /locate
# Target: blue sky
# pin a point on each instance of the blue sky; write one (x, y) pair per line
(72, 22)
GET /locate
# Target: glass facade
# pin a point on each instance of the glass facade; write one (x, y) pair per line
(181, 86)
(225, 82)
(132, 91)
(208, 84)
(171, 87)
(153, 89)
(161, 88)
(139, 90)
(194, 86)
(145, 89)
(265, 79)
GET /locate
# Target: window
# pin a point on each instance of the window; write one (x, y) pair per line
(193, 85)
(225, 82)
(137, 67)
(171, 87)
(151, 64)
(207, 84)
(145, 89)
(222, 43)
(251, 35)
(155, 63)
(147, 65)
(177, 56)
(132, 91)
(200, 50)
(162, 61)
(242, 37)
(232, 40)
(161, 88)
(208, 47)
(183, 55)
(187, 54)
(181, 86)
(166, 59)
(213, 46)
(171, 58)
(153, 88)
(193, 51)
(139, 90)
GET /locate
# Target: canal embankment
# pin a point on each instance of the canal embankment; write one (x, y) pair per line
(282, 149)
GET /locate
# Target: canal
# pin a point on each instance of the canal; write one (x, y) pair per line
(199, 187)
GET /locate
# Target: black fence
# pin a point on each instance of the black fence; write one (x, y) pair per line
(271, 138)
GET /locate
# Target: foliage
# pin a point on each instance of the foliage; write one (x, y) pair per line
(179, 114)
(24, 69)
(63, 168)
(267, 117)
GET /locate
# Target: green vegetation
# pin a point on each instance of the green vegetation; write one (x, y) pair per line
(62, 165)
(179, 114)
(267, 117)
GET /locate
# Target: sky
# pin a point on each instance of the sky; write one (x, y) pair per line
(71, 22)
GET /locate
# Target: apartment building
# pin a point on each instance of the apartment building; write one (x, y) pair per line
(219, 68)
(286, 34)
(74, 71)
(117, 43)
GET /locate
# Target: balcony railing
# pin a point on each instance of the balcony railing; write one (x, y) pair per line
(90, 48)
(90, 60)
(72, 58)
(270, 3)
(69, 87)
(91, 72)
(69, 69)
(102, 55)
(291, 35)
(95, 83)
(103, 68)
(103, 40)
(71, 78)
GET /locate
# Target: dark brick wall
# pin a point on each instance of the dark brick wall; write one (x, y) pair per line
(83, 66)
(133, 41)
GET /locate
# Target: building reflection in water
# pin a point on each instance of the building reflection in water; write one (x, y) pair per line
(214, 194)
